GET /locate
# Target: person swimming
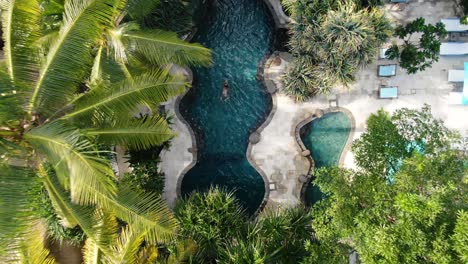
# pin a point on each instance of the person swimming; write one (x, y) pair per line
(225, 89)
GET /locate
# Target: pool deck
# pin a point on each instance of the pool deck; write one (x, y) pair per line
(182, 154)
(278, 154)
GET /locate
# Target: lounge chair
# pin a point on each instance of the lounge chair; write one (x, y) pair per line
(386, 70)
(456, 76)
(388, 92)
(454, 48)
(453, 25)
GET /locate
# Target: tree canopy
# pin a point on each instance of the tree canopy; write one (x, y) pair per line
(419, 55)
(330, 41)
(406, 202)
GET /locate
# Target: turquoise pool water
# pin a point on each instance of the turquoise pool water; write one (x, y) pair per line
(239, 32)
(326, 138)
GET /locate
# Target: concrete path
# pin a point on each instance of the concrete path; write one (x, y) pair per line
(177, 158)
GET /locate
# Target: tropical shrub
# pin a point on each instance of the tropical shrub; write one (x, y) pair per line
(330, 41)
(210, 219)
(223, 233)
(145, 174)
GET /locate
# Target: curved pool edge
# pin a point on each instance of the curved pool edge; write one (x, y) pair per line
(265, 79)
(194, 151)
(318, 114)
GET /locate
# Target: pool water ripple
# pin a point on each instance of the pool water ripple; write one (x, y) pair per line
(240, 35)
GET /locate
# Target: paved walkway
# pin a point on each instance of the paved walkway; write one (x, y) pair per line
(279, 155)
(177, 157)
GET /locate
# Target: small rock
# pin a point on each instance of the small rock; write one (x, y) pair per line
(192, 150)
(303, 178)
(254, 138)
(271, 86)
(276, 61)
(319, 113)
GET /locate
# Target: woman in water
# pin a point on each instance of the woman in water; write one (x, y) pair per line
(225, 89)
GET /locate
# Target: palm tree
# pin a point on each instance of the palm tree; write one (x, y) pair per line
(51, 132)
(338, 37)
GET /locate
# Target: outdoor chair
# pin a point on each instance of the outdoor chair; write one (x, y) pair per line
(388, 92)
(386, 70)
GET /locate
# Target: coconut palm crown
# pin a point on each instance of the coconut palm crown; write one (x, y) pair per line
(60, 102)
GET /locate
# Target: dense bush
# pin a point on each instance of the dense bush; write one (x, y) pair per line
(330, 41)
(409, 194)
(145, 173)
(224, 234)
(211, 219)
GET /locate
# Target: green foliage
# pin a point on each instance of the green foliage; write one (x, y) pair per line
(145, 173)
(171, 15)
(55, 230)
(390, 139)
(330, 41)
(210, 219)
(417, 217)
(218, 225)
(62, 107)
(284, 233)
(460, 236)
(417, 56)
(464, 20)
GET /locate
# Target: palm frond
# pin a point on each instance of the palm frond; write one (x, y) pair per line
(32, 249)
(145, 212)
(20, 21)
(10, 100)
(96, 71)
(70, 55)
(106, 228)
(138, 9)
(150, 89)
(162, 48)
(127, 247)
(16, 196)
(79, 167)
(135, 133)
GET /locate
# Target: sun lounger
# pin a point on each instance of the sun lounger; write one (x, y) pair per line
(456, 76)
(454, 48)
(386, 70)
(453, 25)
(388, 92)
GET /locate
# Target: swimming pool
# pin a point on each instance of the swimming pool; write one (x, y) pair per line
(240, 34)
(326, 138)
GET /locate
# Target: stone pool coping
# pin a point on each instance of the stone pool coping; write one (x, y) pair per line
(303, 149)
(277, 12)
(264, 77)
